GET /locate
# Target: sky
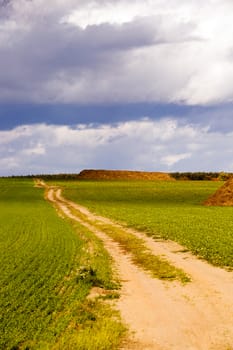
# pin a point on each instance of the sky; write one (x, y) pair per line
(116, 84)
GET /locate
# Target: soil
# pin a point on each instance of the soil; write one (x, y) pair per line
(223, 196)
(123, 175)
(166, 315)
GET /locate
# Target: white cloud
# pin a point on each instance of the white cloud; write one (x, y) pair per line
(142, 145)
(117, 51)
(36, 150)
(113, 13)
(9, 165)
(172, 159)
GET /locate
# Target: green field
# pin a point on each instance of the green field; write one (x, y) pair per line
(48, 267)
(171, 210)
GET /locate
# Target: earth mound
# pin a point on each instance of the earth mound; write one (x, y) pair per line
(223, 196)
(123, 175)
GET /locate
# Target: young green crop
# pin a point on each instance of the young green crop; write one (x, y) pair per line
(169, 210)
(43, 303)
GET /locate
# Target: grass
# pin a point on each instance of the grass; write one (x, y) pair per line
(168, 210)
(141, 255)
(157, 266)
(47, 271)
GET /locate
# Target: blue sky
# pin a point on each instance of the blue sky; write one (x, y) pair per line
(116, 84)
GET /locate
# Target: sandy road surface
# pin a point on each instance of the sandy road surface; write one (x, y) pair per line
(167, 315)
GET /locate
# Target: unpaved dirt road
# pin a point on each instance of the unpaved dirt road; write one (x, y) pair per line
(166, 315)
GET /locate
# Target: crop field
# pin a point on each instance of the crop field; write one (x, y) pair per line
(48, 267)
(169, 210)
(49, 264)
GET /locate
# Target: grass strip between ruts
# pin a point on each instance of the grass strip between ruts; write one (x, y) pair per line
(157, 266)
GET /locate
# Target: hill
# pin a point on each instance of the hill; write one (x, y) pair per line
(223, 196)
(123, 175)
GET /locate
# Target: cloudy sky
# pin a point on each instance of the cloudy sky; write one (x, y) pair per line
(116, 84)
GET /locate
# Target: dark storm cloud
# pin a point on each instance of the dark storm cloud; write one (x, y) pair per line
(42, 54)
(36, 56)
(116, 51)
(216, 118)
(5, 9)
(20, 114)
(4, 4)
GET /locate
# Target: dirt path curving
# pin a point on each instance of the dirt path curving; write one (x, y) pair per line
(166, 315)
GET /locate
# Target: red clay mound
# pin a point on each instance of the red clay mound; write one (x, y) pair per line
(223, 196)
(123, 175)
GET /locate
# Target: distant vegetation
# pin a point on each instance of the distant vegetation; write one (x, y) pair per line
(44, 176)
(132, 175)
(202, 176)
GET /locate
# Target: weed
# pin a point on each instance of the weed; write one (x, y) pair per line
(89, 276)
